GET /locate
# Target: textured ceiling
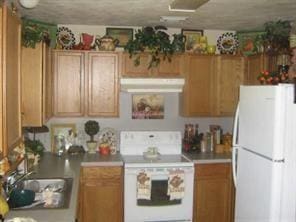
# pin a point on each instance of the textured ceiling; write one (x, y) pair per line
(215, 14)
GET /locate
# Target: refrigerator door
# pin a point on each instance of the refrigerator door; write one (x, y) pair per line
(258, 188)
(262, 119)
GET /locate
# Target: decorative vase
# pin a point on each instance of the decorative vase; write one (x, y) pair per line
(87, 40)
(91, 146)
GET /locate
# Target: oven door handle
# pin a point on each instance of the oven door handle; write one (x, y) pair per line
(156, 172)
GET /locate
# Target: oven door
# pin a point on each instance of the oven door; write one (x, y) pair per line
(158, 207)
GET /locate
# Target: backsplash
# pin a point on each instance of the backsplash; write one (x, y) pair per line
(171, 121)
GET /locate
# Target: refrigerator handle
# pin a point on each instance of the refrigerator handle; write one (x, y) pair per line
(235, 127)
(234, 156)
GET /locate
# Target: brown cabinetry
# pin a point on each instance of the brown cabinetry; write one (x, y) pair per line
(36, 85)
(100, 194)
(164, 69)
(211, 85)
(10, 77)
(213, 194)
(197, 96)
(255, 64)
(85, 83)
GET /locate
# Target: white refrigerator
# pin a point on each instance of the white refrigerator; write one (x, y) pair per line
(264, 154)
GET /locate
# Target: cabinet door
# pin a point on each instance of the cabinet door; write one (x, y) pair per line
(229, 76)
(130, 70)
(196, 99)
(47, 83)
(171, 68)
(11, 84)
(213, 195)
(68, 83)
(103, 86)
(255, 64)
(101, 197)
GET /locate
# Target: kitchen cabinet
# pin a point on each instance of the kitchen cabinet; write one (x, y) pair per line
(214, 193)
(10, 77)
(197, 96)
(36, 98)
(68, 83)
(102, 84)
(101, 194)
(164, 69)
(229, 75)
(211, 85)
(256, 64)
(86, 83)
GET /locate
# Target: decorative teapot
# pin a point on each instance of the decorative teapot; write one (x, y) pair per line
(106, 43)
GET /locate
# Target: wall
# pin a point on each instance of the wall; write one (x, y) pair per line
(171, 121)
(100, 31)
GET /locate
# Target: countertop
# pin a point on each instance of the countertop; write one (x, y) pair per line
(52, 166)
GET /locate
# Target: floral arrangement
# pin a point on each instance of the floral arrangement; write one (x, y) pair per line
(272, 78)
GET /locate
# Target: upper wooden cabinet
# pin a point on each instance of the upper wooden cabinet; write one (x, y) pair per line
(68, 83)
(10, 93)
(37, 97)
(85, 83)
(211, 85)
(229, 75)
(197, 96)
(102, 84)
(164, 69)
(255, 64)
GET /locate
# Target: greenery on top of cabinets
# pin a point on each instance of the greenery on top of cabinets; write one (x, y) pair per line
(155, 41)
(276, 37)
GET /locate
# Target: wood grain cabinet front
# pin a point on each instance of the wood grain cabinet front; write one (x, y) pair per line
(10, 78)
(100, 194)
(86, 84)
(36, 85)
(214, 193)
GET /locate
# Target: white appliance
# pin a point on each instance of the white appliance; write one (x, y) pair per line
(152, 84)
(264, 154)
(156, 154)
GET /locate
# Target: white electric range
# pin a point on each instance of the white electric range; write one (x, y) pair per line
(158, 179)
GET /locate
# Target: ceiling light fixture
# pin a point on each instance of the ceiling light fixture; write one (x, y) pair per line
(186, 5)
(29, 3)
(173, 18)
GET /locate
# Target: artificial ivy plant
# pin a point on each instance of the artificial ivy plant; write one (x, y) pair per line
(157, 42)
(276, 37)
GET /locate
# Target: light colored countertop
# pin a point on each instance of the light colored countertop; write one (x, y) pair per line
(204, 158)
(52, 166)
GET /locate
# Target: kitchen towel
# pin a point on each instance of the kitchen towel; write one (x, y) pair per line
(144, 186)
(176, 184)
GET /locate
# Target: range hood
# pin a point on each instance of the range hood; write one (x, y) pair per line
(152, 84)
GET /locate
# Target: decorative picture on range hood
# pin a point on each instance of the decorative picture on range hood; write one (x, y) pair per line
(148, 106)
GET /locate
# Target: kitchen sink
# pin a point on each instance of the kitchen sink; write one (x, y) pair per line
(50, 193)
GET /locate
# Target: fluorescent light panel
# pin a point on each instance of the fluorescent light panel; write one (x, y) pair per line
(186, 5)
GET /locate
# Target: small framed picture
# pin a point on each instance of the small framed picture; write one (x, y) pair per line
(122, 34)
(192, 38)
(148, 106)
(250, 43)
(60, 134)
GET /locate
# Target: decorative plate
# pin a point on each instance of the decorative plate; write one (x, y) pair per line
(108, 135)
(65, 38)
(227, 43)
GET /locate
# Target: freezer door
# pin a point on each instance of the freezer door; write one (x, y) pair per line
(258, 190)
(262, 114)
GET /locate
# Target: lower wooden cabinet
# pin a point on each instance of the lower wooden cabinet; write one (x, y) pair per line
(214, 193)
(100, 194)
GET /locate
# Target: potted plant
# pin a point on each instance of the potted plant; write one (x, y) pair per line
(157, 42)
(91, 128)
(276, 37)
